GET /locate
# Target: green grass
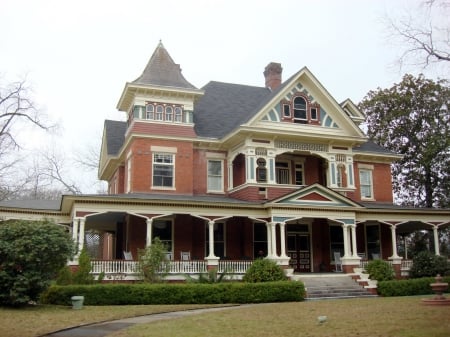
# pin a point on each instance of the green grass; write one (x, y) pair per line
(376, 317)
(372, 317)
(38, 320)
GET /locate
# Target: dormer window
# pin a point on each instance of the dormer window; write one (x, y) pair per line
(300, 115)
(300, 110)
(169, 113)
(149, 111)
(159, 113)
(162, 112)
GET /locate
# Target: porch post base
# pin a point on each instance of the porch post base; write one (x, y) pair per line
(349, 263)
(397, 265)
(281, 261)
(213, 262)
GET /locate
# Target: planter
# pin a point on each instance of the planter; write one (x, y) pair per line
(77, 302)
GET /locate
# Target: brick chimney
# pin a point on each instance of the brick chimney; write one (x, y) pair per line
(272, 73)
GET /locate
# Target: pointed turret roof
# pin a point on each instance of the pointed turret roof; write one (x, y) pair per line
(161, 70)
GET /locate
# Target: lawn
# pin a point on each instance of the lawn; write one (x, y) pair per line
(372, 317)
(38, 320)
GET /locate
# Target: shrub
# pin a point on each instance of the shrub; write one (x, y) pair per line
(189, 293)
(264, 270)
(212, 276)
(380, 270)
(153, 265)
(31, 254)
(426, 264)
(412, 287)
(83, 274)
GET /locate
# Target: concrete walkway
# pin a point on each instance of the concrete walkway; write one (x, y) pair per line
(106, 328)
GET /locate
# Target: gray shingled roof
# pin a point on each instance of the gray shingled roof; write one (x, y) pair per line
(225, 106)
(161, 70)
(47, 205)
(115, 136)
(370, 146)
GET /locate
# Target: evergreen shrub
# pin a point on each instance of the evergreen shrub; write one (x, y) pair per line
(427, 264)
(188, 293)
(380, 270)
(411, 287)
(264, 270)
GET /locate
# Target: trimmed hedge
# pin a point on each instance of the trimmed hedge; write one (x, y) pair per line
(190, 293)
(411, 287)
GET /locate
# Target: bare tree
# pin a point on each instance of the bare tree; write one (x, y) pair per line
(423, 34)
(17, 110)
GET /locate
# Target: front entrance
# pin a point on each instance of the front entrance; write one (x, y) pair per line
(298, 249)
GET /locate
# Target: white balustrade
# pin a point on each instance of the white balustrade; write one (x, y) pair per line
(234, 267)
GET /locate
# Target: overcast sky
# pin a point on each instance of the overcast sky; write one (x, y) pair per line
(78, 55)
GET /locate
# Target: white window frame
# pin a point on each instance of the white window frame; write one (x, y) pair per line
(288, 169)
(129, 172)
(211, 176)
(369, 173)
(171, 164)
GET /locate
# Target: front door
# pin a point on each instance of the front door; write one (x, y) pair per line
(298, 249)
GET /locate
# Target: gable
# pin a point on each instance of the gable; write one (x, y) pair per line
(332, 120)
(318, 196)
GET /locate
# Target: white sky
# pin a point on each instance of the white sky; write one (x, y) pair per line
(78, 55)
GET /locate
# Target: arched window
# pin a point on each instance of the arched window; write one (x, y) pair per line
(169, 113)
(178, 114)
(149, 110)
(261, 170)
(300, 112)
(159, 113)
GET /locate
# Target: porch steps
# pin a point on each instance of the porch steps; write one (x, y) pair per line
(331, 286)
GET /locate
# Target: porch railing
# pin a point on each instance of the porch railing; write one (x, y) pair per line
(234, 266)
(114, 267)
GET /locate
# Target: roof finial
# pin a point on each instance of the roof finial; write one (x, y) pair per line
(160, 43)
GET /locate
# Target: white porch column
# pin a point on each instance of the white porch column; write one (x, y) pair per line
(211, 240)
(148, 240)
(346, 243)
(283, 239)
(269, 240)
(274, 238)
(436, 240)
(75, 230)
(394, 243)
(353, 233)
(81, 235)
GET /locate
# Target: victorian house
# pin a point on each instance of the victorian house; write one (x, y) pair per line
(228, 173)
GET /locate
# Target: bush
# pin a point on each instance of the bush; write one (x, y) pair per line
(153, 265)
(426, 264)
(31, 253)
(264, 270)
(412, 287)
(189, 293)
(380, 270)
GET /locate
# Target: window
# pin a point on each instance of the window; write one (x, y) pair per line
(314, 114)
(336, 241)
(261, 170)
(219, 239)
(163, 170)
(162, 229)
(365, 183)
(215, 176)
(259, 240)
(373, 240)
(299, 174)
(340, 175)
(282, 173)
(169, 113)
(286, 110)
(300, 115)
(149, 111)
(159, 113)
(178, 114)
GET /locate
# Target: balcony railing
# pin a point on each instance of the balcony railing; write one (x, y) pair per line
(124, 269)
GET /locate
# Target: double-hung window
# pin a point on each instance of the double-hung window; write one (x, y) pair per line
(163, 170)
(215, 176)
(366, 183)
